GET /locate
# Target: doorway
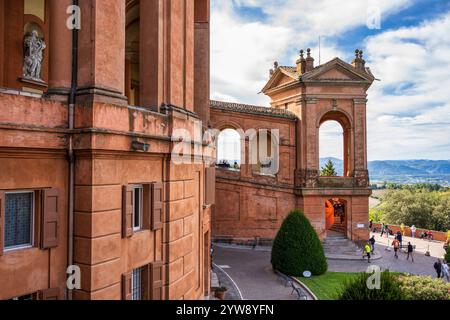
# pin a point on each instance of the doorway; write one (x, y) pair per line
(336, 217)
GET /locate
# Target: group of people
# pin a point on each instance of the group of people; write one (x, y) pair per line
(227, 165)
(369, 248)
(397, 245)
(426, 235)
(442, 270)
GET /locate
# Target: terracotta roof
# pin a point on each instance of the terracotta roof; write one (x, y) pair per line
(251, 109)
(292, 71)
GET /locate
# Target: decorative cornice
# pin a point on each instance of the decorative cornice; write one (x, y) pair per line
(360, 101)
(251, 109)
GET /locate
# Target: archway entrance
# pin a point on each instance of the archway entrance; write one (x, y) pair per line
(336, 217)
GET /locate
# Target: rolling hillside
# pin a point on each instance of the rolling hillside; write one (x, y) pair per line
(404, 171)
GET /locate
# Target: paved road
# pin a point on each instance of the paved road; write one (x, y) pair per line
(252, 272)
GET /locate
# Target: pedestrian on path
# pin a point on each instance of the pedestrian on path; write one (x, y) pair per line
(445, 271)
(367, 250)
(372, 242)
(399, 238)
(438, 268)
(410, 252)
(396, 245)
(383, 229)
(413, 231)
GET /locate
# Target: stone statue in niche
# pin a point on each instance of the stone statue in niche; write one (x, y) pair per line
(34, 54)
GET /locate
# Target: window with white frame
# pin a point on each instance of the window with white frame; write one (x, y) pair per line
(138, 192)
(19, 220)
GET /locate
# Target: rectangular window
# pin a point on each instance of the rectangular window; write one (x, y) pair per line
(19, 220)
(137, 284)
(137, 207)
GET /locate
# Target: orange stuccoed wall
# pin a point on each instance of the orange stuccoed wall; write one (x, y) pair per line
(251, 205)
(34, 138)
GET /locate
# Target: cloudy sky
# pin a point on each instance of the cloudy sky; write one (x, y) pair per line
(409, 109)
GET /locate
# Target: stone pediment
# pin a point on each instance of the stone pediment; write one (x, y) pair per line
(282, 76)
(337, 70)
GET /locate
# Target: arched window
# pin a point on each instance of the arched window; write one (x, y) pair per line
(229, 150)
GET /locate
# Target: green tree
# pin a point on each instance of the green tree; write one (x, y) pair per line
(328, 170)
(419, 207)
(297, 247)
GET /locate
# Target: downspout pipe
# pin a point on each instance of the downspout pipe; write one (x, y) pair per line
(71, 156)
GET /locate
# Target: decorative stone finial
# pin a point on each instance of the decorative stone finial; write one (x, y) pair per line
(302, 53)
(275, 65)
(309, 61)
(358, 62)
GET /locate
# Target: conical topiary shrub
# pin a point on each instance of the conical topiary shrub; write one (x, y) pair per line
(297, 247)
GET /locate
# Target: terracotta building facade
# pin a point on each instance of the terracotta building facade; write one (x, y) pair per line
(87, 119)
(252, 203)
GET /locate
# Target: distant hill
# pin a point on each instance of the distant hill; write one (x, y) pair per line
(403, 171)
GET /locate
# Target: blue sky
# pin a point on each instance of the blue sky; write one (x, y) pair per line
(408, 110)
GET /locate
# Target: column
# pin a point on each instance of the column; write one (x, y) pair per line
(60, 58)
(202, 64)
(101, 72)
(151, 53)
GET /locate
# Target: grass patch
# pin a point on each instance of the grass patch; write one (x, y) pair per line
(329, 285)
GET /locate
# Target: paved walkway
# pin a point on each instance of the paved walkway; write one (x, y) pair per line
(249, 274)
(422, 265)
(252, 273)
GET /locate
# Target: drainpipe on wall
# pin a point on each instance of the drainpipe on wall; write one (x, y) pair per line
(71, 156)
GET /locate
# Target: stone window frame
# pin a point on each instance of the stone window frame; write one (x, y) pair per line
(138, 285)
(140, 227)
(33, 223)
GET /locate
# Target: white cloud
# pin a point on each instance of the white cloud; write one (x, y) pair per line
(409, 111)
(242, 54)
(243, 51)
(408, 115)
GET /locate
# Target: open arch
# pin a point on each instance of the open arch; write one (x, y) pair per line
(334, 142)
(229, 149)
(336, 217)
(265, 152)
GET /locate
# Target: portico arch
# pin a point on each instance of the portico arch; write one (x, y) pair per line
(344, 119)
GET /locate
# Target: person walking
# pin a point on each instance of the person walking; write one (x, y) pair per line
(372, 242)
(399, 238)
(367, 250)
(396, 245)
(413, 231)
(383, 229)
(445, 271)
(410, 251)
(438, 268)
